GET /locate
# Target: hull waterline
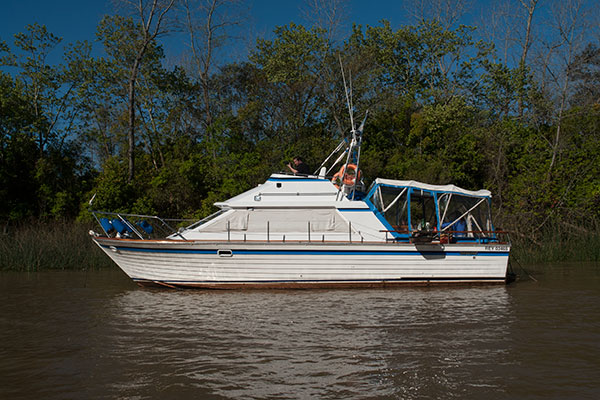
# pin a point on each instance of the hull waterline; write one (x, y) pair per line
(302, 265)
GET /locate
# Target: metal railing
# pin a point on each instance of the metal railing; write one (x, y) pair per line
(497, 236)
(309, 237)
(137, 226)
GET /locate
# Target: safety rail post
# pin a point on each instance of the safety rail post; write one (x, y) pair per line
(350, 231)
(268, 239)
(228, 231)
(126, 222)
(308, 231)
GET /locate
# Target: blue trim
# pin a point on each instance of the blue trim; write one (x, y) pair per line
(372, 191)
(437, 212)
(294, 178)
(314, 252)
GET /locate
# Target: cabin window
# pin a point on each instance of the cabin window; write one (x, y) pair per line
(423, 215)
(392, 203)
(465, 216)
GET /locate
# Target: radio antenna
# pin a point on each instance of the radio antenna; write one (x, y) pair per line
(348, 97)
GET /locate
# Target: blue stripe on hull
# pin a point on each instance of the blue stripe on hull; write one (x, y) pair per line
(316, 252)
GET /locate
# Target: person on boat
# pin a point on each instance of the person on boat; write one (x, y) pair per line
(299, 168)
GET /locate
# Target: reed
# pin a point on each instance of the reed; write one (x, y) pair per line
(50, 245)
(557, 244)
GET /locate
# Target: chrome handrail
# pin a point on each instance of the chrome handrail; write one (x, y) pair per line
(124, 218)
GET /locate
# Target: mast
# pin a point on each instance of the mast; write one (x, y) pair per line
(353, 149)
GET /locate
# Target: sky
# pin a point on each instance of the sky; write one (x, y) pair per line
(77, 19)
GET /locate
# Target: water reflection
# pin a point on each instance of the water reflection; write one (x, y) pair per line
(96, 335)
(308, 343)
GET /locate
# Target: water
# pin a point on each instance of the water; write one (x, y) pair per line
(92, 335)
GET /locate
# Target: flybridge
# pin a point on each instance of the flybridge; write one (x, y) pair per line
(286, 191)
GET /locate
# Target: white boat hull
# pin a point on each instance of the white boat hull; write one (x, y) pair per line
(304, 265)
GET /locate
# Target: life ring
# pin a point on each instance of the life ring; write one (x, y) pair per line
(346, 178)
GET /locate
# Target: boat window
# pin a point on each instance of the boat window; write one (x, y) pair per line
(423, 216)
(392, 202)
(466, 216)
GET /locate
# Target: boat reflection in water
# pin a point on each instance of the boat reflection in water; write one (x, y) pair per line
(94, 335)
(323, 344)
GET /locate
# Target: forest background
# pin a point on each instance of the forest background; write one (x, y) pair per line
(511, 104)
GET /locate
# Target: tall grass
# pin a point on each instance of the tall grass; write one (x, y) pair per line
(52, 245)
(557, 244)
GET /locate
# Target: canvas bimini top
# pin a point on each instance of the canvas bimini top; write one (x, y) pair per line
(409, 208)
(433, 188)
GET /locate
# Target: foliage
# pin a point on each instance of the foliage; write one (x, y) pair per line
(441, 110)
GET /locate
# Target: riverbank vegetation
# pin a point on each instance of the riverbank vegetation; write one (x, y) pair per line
(50, 245)
(448, 103)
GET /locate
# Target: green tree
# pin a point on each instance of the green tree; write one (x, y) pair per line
(128, 43)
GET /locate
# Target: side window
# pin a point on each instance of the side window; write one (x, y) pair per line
(392, 203)
(423, 215)
(466, 216)
(396, 208)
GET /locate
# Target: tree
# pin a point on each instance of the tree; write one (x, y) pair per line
(586, 76)
(208, 24)
(292, 63)
(18, 151)
(327, 15)
(151, 24)
(41, 168)
(44, 84)
(570, 20)
(446, 13)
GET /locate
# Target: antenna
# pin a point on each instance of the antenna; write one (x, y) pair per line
(348, 98)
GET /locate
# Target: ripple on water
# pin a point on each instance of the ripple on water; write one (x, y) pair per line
(314, 343)
(105, 338)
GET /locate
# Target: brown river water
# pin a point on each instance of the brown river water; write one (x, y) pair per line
(96, 335)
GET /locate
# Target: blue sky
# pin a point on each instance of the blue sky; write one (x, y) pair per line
(77, 19)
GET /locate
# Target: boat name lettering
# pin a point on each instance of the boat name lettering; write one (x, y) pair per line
(497, 248)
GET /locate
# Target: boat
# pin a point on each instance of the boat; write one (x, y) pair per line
(318, 231)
